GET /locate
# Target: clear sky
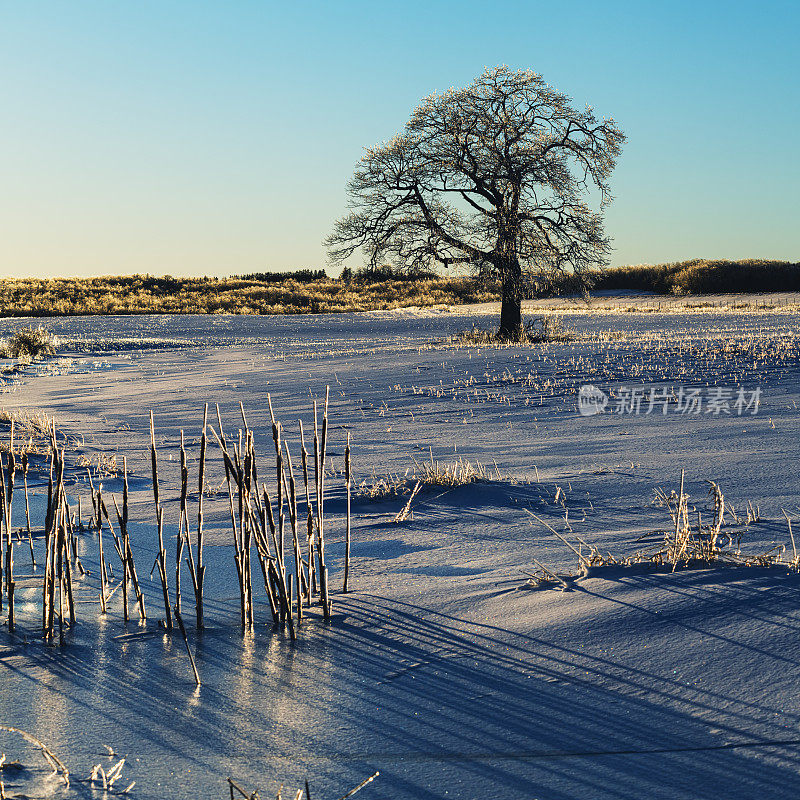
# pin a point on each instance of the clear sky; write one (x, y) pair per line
(192, 137)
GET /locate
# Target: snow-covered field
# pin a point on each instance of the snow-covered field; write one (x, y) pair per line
(439, 669)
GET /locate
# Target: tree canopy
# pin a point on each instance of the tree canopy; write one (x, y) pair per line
(495, 176)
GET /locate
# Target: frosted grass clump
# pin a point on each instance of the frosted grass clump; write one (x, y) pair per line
(540, 330)
(29, 343)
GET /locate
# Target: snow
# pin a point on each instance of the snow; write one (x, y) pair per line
(440, 670)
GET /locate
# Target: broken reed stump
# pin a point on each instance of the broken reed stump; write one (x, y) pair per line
(294, 572)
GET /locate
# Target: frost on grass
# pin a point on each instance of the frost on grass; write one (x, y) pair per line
(28, 343)
(690, 541)
(549, 328)
(101, 779)
(35, 423)
(426, 474)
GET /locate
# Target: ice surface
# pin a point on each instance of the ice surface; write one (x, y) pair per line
(438, 670)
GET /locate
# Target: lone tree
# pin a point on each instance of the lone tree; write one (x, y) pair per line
(493, 176)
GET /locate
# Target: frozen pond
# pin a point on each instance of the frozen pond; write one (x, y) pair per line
(437, 671)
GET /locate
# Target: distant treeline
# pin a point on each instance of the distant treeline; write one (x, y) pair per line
(247, 294)
(701, 276)
(299, 275)
(312, 291)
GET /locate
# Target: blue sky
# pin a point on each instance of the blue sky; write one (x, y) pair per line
(197, 138)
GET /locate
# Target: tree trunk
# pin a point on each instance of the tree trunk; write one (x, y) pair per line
(511, 307)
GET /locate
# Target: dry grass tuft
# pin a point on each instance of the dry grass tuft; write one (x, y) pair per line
(540, 330)
(426, 474)
(452, 473)
(28, 343)
(28, 423)
(384, 487)
(102, 465)
(689, 542)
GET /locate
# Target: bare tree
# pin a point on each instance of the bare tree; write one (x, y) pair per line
(493, 176)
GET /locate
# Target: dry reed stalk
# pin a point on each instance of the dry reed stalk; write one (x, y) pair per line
(680, 541)
(73, 538)
(320, 442)
(581, 558)
(281, 589)
(276, 579)
(227, 461)
(275, 583)
(791, 536)
(277, 531)
(95, 509)
(129, 566)
(7, 511)
(184, 519)
(279, 570)
(279, 481)
(27, 507)
(116, 539)
(51, 539)
(403, 513)
(290, 594)
(233, 785)
(50, 582)
(121, 552)
(179, 541)
(67, 574)
(52, 759)
(188, 649)
(241, 459)
(154, 462)
(347, 526)
(162, 569)
(267, 518)
(264, 556)
(240, 467)
(183, 522)
(178, 562)
(46, 583)
(103, 575)
(298, 559)
(9, 549)
(252, 527)
(60, 575)
(232, 472)
(247, 527)
(311, 571)
(310, 519)
(201, 570)
(50, 489)
(360, 786)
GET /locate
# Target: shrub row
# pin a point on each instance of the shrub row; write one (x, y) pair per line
(701, 276)
(310, 291)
